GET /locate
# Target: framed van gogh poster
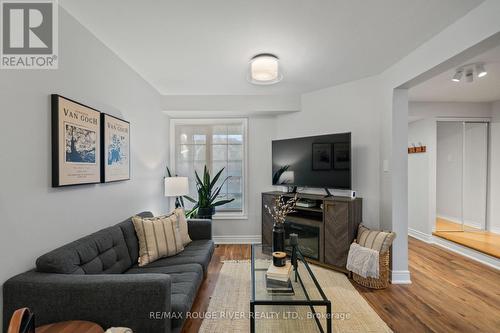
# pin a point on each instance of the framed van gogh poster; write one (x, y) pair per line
(76, 143)
(115, 149)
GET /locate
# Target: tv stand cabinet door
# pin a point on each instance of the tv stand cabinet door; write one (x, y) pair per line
(336, 233)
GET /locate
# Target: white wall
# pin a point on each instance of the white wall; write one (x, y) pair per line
(422, 177)
(494, 176)
(424, 110)
(37, 218)
(345, 108)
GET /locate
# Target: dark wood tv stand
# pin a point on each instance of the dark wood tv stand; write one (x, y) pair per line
(336, 218)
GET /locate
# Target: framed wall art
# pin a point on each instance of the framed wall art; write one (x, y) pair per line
(76, 143)
(115, 149)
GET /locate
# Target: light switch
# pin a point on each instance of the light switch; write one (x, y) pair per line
(386, 166)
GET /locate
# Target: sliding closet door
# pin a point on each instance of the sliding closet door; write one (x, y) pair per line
(475, 174)
(449, 175)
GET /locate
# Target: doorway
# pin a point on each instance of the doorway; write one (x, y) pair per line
(462, 176)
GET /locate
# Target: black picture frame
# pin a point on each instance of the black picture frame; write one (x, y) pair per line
(105, 173)
(341, 156)
(321, 156)
(61, 175)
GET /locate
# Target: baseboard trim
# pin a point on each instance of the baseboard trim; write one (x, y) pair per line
(420, 235)
(237, 239)
(495, 230)
(400, 277)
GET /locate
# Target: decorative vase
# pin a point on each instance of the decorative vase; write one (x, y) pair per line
(205, 213)
(278, 237)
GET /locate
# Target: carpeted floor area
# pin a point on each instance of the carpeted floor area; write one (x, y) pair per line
(229, 305)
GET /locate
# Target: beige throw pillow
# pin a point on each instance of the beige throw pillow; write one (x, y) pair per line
(380, 241)
(158, 237)
(182, 226)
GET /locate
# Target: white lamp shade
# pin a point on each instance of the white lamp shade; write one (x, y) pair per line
(176, 186)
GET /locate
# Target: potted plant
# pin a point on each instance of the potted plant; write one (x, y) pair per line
(204, 207)
(278, 212)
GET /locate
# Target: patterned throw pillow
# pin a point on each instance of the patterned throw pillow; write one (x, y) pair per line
(182, 226)
(376, 240)
(158, 237)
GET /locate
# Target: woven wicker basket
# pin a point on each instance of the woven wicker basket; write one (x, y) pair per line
(383, 279)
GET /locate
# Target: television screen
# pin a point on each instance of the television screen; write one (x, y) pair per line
(322, 161)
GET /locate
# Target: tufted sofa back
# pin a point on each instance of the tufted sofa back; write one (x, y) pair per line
(103, 252)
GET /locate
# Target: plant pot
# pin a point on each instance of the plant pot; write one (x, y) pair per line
(278, 237)
(205, 213)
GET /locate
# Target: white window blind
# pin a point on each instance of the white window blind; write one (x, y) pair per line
(217, 144)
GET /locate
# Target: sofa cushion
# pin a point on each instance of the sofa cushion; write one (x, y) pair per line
(196, 252)
(186, 280)
(158, 237)
(130, 236)
(103, 252)
(182, 225)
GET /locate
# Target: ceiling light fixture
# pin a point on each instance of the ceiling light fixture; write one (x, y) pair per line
(469, 71)
(480, 70)
(458, 75)
(469, 75)
(264, 69)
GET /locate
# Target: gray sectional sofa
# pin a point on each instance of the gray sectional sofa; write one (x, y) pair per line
(96, 278)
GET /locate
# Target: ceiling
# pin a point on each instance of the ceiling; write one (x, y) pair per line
(203, 47)
(441, 89)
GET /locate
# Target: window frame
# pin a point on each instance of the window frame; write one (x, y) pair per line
(243, 215)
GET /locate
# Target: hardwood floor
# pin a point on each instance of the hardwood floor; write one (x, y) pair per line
(449, 293)
(482, 241)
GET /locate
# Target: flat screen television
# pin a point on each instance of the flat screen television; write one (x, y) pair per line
(322, 161)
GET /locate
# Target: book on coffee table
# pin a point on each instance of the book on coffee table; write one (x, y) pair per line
(279, 288)
(279, 273)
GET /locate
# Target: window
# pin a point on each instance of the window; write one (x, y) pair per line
(216, 143)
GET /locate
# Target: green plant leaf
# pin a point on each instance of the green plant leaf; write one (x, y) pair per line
(216, 178)
(198, 180)
(206, 176)
(169, 174)
(212, 198)
(192, 213)
(190, 199)
(222, 202)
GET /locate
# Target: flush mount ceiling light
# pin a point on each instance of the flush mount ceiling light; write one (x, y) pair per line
(469, 71)
(264, 69)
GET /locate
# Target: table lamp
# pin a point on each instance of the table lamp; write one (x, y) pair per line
(176, 187)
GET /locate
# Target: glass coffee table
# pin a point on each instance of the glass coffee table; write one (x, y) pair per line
(306, 310)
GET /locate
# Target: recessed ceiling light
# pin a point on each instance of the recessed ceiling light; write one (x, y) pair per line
(264, 69)
(480, 70)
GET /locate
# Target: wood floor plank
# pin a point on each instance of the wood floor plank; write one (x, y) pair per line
(449, 293)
